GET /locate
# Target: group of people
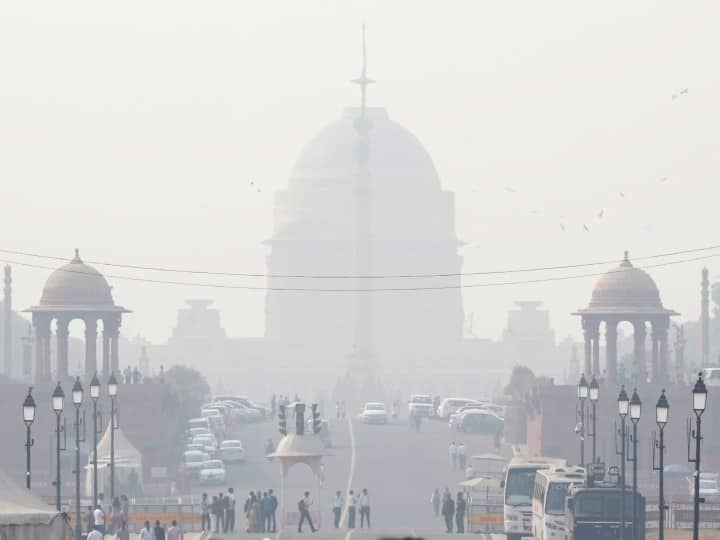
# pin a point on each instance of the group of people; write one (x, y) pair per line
(158, 532)
(260, 508)
(447, 507)
(218, 513)
(340, 409)
(458, 456)
(110, 518)
(357, 503)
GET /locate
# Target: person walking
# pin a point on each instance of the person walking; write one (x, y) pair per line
(205, 525)
(364, 508)
(460, 507)
(453, 452)
(230, 517)
(147, 532)
(266, 510)
(252, 515)
(448, 511)
(304, 505)
(222, 525)
(435, 501)
(273, 508)
(462, 456)
(352, 509)
(89, 520)
(159, 531)
(337, 508)
(214, 523)
(99, 518)
(173, 533)
(94, 535)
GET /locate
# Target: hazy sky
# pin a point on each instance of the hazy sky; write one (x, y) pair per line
(132, 130)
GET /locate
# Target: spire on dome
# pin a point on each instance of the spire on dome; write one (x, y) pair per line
(363, 80)
(626, 260)
(77, 258)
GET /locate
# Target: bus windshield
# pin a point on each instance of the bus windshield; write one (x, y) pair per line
(520, 486)
(555, 498)
(601, 505)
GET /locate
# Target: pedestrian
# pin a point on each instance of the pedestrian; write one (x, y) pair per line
(159, 531)
(460, 507)
(469, 472)
(453, 452)
(448, 511)
(273, 508)
(248, 502)
(89, 520)
(115, 515)
(94, 535)
(364, 508)
(230, 515)
(462, 456)
(173, 533)
(265, 512)
(123, 532)
(435, 500)
(147, 532)
(304, 505)
(337, 508)
(252, 514)
(205, 525)
(99, 519)
(222, 525)
(214, 523)
(352, 509)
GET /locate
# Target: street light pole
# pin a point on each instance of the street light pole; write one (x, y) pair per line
(699, 395)
(58, 401)
(594, 396)
(112, 391)
(635, 409)
(95, 395)
(77, 396)
(28, 418)
(582, 392)
(623, 406)
(662, 411)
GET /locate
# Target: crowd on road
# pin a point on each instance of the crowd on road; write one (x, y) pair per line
(444, 505)
(217, 513)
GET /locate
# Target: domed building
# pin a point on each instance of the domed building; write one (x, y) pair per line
(75, 291)
(627, 294)
(364, 199)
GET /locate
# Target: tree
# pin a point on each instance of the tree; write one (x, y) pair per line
(522, 381)
(189, 387)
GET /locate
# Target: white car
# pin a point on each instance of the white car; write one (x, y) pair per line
(231, 451)
(421, 405)
(450, 406)
(374, 413)
(193, 461)
(711, 376)
(212, 472)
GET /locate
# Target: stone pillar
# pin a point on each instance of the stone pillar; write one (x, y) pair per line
(588, 352)
(63, 334)
(655, 361)
(639, 371)
(664, 360)
(595, 354)
(27, 369)
(41, 371)
(90, 347)
(114, 348)
(106, 348)
(47, 370)
(611, 350)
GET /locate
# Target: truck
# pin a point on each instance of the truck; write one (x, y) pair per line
(593, 513)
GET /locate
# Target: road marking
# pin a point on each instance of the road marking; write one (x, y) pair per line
(350, 476)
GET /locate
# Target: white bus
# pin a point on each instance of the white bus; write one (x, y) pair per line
(519, 486)
(549, 495)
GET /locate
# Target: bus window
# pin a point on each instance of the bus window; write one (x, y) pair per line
(520, 486)
(555, 501)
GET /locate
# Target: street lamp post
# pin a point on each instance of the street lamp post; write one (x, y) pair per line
(594, 396)
(112, 391)
(582, 393)
(662, 411)
(28, 418)
(635, 409)
(699, 396)
(77, 397)
(58, 403)
(623, 407)
(95, 395)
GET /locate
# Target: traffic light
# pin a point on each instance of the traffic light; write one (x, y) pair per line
(300, 418)
(315, 419)
(282, 420)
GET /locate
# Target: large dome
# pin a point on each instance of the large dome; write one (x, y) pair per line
(395, 154)
(76, 284)
(626, 288)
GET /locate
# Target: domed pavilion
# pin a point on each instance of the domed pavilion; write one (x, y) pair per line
(75, 291)
(627, 294)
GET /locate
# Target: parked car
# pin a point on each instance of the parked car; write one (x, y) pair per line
(711, 376)
(231, 451)
(212, 472)
(421, 405)
(449, 406)
(195, 448)
(374, 413)
(197, 432)
(243, 400)
(481, 422)
(193, 461)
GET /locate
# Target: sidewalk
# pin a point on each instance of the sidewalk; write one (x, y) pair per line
(188, 536)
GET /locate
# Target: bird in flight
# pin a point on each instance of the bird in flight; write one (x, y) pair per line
(600, 215)
(509, 190)
(562, 226)
(622, 194)
(586, 228)
(663, 179)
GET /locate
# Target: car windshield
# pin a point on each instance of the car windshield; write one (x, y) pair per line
(519, 486)
(374, 407)
(600, 505)
(193, 457)
(231, 444)
(213, 464)
(555, 498)
(422, 399)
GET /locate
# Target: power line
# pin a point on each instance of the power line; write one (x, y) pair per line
(381, 276)
(354, 290)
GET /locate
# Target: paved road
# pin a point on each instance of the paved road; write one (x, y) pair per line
(398, 466)
(358, 534)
